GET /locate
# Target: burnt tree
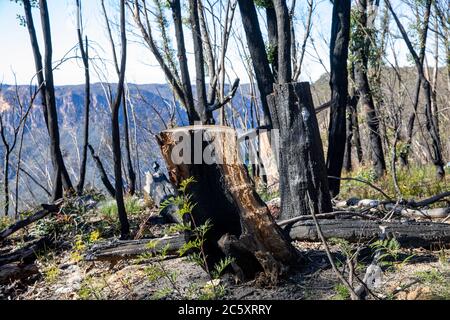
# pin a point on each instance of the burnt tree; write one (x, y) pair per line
(340, 35)
(301, 161)
(242, 226)
(257, 49)
(45, 76)
(361, 45)
(435, 151)
(117, 156)
(87, 99)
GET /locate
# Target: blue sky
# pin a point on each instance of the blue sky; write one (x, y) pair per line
(16, 54)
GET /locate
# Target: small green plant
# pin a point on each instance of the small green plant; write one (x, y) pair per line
(390, 253)
(415, 182)
(342, 293)
(266, 194)
(5, 222)
(443, 258)
(109, 209)
(90, 289)
(81, 243)
(194, 249)
(51, 274)
(438, 282)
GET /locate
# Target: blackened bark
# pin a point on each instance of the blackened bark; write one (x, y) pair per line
(202, 99)
(6, 182)
(364, 91)
(261, 66)
(60, 175)
(284, 42)
(272, 33)
(37, 56)
(352, 132)
(124, 225)
(130, 169)
(340, 35)
(241, 225)
(87, 104)
(301, 161)
(182, 59)
(103, 175)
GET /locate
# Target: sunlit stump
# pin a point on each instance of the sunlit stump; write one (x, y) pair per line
(242, 226)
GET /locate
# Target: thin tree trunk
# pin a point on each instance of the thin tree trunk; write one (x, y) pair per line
(272, 33)
(6, 182)
(124, 225)
(365, 93)
(202, 100)
(60, 175)
(257, 49)
(435, 151)
(340, 36)
(37, 56)
(284, 42)
(130, 169)
(87, 102)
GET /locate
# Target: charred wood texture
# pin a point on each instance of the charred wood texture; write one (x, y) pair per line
(224, 195)
(340, 35)
(131, 249)
(301, 161)
(412, 234)
(27, 254)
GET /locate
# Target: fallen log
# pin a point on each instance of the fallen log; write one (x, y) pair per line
(408, 234)
(26, 254)
(130, 249)
(46, 210)
(403, 208)
(16, 271)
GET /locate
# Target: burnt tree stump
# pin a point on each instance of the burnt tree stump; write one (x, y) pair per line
(301, 162)
(224, 194)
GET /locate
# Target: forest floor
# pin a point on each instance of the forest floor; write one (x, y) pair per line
(64, 274)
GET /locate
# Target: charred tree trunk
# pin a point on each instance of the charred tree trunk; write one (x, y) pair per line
(340, 35)
(365, 94)
(272, 32)
(261, 66)
(117, 156)
(130, 169)
(301, 161)
(284, 41)
(436, 147)
(60, 176)
(181, 53)
(87, 104)
(351, 123)
(103, 175)
(223, 194)
(37, 55)
(202, 99)
(6, 182)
